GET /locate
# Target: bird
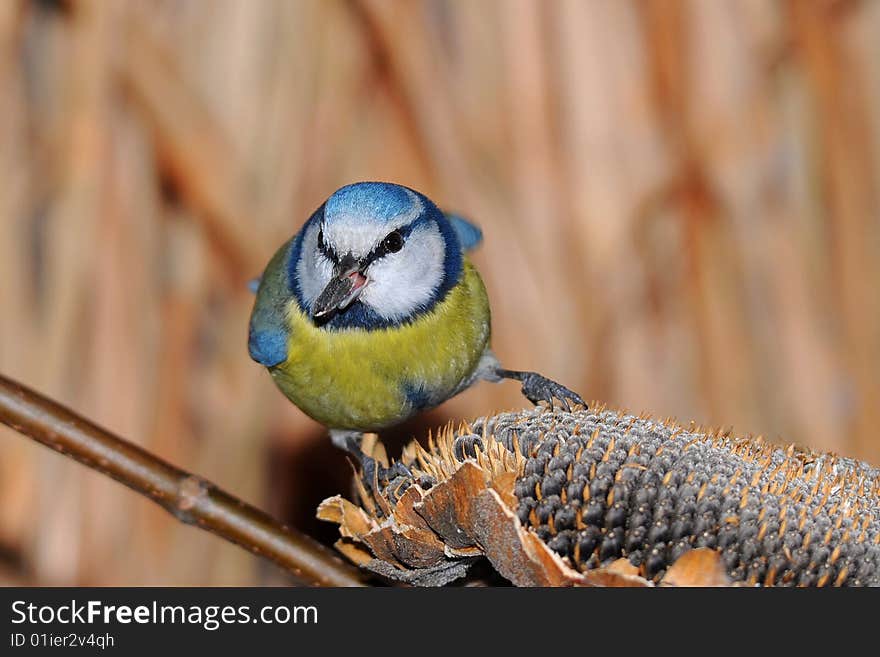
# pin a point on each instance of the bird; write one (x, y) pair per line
(372, 312)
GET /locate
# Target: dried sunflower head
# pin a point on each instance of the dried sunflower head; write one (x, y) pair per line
(601, 497)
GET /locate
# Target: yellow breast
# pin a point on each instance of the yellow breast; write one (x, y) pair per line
(369, 379)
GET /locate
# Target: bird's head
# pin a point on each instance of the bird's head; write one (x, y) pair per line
(375, 254)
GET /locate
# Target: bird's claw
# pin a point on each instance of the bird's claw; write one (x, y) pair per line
(397, 469)
(377, 478)
(537, 388)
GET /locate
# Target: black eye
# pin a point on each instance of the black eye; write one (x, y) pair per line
(393, 243)
(321, 239)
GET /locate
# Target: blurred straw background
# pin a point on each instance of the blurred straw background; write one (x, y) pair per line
(681, 203)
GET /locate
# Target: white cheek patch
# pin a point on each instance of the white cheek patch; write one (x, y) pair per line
(402, 282)
(313, 270)
(358, 234)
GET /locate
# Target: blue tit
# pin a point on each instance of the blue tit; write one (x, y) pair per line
(372, 312)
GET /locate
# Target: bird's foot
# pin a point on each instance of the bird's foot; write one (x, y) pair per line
(388, 483)
(537, 388)
(385, 475)
(376, 477)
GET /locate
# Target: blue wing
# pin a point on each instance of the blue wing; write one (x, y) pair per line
(469, 235)
(269, 333)
(267, 347)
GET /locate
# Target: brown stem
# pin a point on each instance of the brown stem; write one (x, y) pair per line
(188, 497)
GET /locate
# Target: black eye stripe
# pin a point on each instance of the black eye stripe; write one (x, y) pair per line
(324, 248)
(392, 243)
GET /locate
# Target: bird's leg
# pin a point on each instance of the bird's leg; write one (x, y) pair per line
(538, 388)
(350, 441)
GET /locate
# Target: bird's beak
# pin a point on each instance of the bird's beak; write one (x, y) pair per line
(346, 285)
